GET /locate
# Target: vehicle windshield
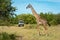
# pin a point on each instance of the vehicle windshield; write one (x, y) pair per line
(21, 21)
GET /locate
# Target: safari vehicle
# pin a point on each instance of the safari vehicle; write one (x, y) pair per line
(21, 23)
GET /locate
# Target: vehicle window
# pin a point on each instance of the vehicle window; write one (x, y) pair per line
(21, 21)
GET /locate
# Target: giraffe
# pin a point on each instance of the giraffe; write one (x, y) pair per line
(39, 20)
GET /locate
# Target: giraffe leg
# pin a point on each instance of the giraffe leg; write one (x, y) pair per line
(45, 26)
(38, 29)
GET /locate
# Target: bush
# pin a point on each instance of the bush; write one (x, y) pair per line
(53, 22)
(6, 36)
(53, 19)
(27, 18)
(12, 36)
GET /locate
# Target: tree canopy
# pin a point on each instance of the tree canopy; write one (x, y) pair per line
(6, 11)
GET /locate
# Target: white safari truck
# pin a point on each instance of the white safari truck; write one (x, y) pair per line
(21, 23)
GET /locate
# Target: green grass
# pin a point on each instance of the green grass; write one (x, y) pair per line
(53, 32)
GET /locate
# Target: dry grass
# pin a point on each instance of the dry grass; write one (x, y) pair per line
(53, 33)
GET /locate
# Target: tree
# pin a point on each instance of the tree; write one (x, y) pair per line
(6, 10)
(50, 17)
(27, 18)
(57, 16)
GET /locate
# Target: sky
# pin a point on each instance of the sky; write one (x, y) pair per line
(39, 6)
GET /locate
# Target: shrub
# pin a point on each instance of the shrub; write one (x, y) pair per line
(12, 36)
(6, 36)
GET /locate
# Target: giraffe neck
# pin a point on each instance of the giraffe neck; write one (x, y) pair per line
(35, 13)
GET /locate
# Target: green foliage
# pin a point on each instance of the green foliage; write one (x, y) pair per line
(57, 16)
(6, 36)
(13, 20)
(4, 23)
(6, 11)
(53, 22)
(12, 36)
(27, 18)
(53, 19)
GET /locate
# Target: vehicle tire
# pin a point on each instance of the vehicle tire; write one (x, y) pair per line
(18, 25)
(22, 25)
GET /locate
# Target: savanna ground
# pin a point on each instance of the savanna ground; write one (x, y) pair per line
(53, 32)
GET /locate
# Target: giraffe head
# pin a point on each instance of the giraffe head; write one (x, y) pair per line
(29, 6)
